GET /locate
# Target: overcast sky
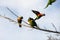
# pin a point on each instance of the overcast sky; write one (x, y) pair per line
(11, 31)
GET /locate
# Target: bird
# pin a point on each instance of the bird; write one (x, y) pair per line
(38, 14)
(50, 2)
(32, 23)
(19, 19)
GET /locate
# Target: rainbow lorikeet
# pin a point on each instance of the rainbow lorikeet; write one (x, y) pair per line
(38, 14)
(32, 23)
(19, 19)
(50, 2)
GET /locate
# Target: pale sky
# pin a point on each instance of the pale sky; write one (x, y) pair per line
(11, 31)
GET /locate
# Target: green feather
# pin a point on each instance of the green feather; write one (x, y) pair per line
(50, 2)
(32, 22)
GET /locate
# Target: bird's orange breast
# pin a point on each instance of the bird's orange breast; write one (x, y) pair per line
(40, 14)
(18, 18)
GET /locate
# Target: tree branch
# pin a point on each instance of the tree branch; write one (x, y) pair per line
(11, 20)
(48, 31)
(54, 26)
(15, 15)
(30, 26)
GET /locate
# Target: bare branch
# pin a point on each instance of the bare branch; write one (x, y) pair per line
(12, 20)
(49, 31)
(54, 26)
(12, 12)
(15, 15)
(31, 27)
(7, 18)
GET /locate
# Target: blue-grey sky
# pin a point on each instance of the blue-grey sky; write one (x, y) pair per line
(11, 31)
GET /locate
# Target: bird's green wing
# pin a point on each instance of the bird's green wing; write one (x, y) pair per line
(50, 2)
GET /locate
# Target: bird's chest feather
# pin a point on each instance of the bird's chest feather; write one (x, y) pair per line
(19, 20)
(31, 22)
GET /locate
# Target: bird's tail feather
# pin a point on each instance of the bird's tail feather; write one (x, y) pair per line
(19, 25)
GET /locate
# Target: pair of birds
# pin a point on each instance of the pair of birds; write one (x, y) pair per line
(31, 21)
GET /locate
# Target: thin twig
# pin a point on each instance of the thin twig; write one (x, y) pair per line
(25, 22)
(15, 15)
(54, 26)
(7, 18)
(12, 12)
(12, 20)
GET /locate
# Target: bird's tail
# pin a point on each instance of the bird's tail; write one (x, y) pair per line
(46, 6)
(36, 18)
(20, 26)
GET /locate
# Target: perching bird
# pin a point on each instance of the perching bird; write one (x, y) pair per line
(32, 23)
(19, 19)
(50, 2)
(38, 14)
